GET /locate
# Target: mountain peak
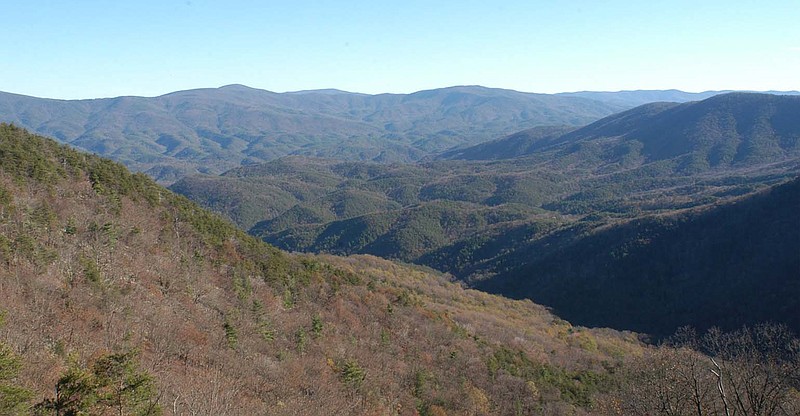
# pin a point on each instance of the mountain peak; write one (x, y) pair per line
(236, 87)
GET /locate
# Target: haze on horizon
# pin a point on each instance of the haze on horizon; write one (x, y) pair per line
(93, 49)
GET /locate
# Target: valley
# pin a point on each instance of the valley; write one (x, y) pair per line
(487, 217)
(544, 272)
(517, 208)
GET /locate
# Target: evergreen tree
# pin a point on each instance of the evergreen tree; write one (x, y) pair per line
(13, 398)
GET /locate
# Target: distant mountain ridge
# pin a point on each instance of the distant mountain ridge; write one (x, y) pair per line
(737, 134)
(728, 130)
(214, 129)
(638, 97)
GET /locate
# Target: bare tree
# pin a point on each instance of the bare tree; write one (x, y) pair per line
(757, 369)
(751, 372)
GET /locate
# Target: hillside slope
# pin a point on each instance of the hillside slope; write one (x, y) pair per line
(725, 131)
(726, 266)
(117, 294)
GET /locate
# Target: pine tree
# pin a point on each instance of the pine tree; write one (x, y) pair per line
(13, 398)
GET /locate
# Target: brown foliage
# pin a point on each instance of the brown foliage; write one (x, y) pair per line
(87, 272)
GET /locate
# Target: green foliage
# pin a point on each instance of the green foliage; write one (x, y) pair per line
(32, 249)
(113, 383)
(75, 393)
(242, 286)
(405, 298)
(6, 249)
(301, 340)
(288, 298)
(91, 271)
(121, 385)
(345, 276)
(22, 156)
(31, 157)
(5, 197)
(352, 374)
(70, 228)
(42, 217)
(575, 387)
(266, 331)
(317, 326)
(231, 334)
(423, 385)
(14, 398)
(385, 337)
(421, 380)
(257, 308)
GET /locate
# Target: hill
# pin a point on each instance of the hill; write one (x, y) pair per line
(119, 296)
(641, 97)
(213, 130)
(514, 145)
(482, 220)
(730, 265)
(524, 252)
(729, 130)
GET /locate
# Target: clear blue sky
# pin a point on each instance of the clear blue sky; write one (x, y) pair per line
(89, 49)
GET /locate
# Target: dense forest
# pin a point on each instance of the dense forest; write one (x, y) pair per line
(726, 266)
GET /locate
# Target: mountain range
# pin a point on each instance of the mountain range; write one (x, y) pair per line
(483, 220)
(118, 296)
(639, 97)
(735, 129)
(213, 130)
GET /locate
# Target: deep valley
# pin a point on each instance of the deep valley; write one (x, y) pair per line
(456, 251)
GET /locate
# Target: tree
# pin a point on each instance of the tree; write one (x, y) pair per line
(122, 386)
(74, 394)
(113, 384)
(751, 371)
(14, 399)
(757, 369)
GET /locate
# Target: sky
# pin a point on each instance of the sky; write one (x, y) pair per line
(92, 49)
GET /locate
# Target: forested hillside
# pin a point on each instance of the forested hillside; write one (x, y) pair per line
(119, 296)
(486, 219)
(725, 131)
(724, 266)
